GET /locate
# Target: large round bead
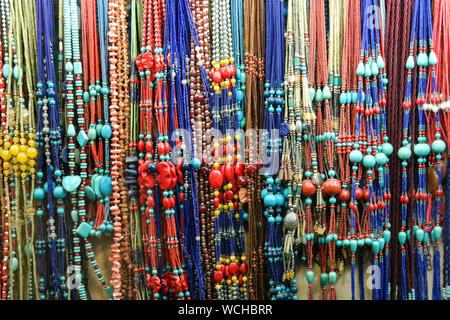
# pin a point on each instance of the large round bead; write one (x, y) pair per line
(331, 187)
(308, 188)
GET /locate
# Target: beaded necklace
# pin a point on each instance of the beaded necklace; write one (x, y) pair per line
(52, 268)
(201, 124)
(274, 130)
(253, 76)
(74, 183)
(229, 231)
(425, 218)
(370, 131)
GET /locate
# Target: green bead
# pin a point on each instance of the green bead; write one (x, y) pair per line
(380, 62)
(319, 96)
(39, 194)
(59, 192)
(323, 279)
(71, 130)
(326, 93)
(419, 234)
(360, 69)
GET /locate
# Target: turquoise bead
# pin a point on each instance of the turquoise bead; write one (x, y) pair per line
(346, 243)
(419, 234)
(326, 93)
(71, 130)
(332, 276)
(437, 232)
(387, 236)
(404, 153)
(410, 63)
(17, 72)
(15, 263)
(354, 97)
(367, 70)
(381, 242)
(106, 131)
(374, 69)
(380, 62)
(106, 186)
(39, 194)
(74, 216)
(343, 98)
(432, 59)
(356, 156)
(279, 199)
(368, 241)
(319, 96)
(323, 279)
(360, 69)
(71, 183)
(422, 149)
(82, 138)
(387, 148)
(84, 229)
(381, 158)
(264, 193)
(309, 276)
(89, 192)
(438, 146)
(5, 70)
(312, 93)
(270, 200)
(369, 161)
(69, 67)
(353, 245)
(402, 237)
(360, 243)
(375, 246)
(195, 162)
(92, 133)
(59, 192)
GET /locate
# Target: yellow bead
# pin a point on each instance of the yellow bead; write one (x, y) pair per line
(230, 205)
(6, 155)
(231, 59)
(32, 153)
(217, 287)
(6, 165)
(31, 162)
(230, 185)
(23, 148)
(31, 143)
(213, 62)
(23, 141)
(233, 278)
(217, 212)
(218, 266)
(241, 290)
(32, 170)
(244, 279)
(15, 139)
(228, 281)
(14, 150)
(23, 167)
(235, 196)
(22, 157)
(216, 193)
(236, 216)
(232, 258)
(238, 157)
(24, 175)
(216, 165)
(233, 81)
(243, 258)
(16, 132)
(237, 137)
(216, 145)
(7, 144)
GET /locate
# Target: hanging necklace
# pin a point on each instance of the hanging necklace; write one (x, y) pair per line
(51, 270)
(274, 130)
(253, 76)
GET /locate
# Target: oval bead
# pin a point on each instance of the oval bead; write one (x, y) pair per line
(404, 153)
(438, 146)
(216, 179)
